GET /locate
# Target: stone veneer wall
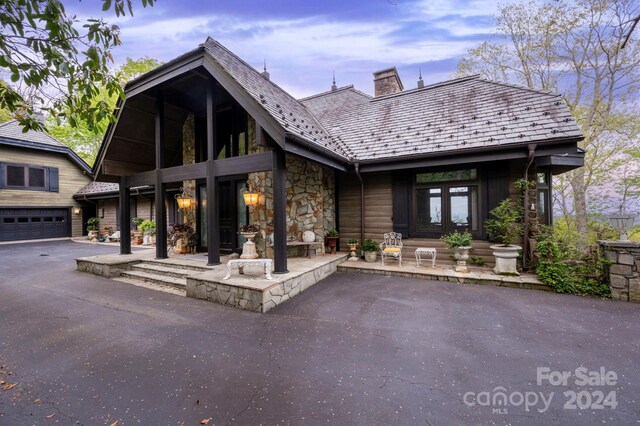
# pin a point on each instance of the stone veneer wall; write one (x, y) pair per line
(624, 271)
(310, 197)
(189, 157)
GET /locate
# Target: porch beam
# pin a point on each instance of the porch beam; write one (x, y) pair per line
(161, 210)
(213, 233)
(279, 173)
(184, 172)
(125, 217)
(244, 164)
(142, 179)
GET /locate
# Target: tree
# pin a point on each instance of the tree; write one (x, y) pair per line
(572, 47)
(80, 136)
(53, 66)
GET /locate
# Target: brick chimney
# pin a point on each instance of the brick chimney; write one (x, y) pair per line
(387, 82)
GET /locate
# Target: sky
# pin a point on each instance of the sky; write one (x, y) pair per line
(304, 41)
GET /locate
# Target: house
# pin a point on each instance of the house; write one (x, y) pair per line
(422, 161)
(38, 178)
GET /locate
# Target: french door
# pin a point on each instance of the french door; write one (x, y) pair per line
(443, 208)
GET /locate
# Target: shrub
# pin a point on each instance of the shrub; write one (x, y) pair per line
(332, 233)
(181, 230)
(477, 260)
(352, 241)
(137, 221)
(506, 225)
(565, 271)
(370, 245)
(457, 239)
(93, 224)
(249, 227)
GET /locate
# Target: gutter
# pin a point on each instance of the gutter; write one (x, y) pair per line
(357, 169)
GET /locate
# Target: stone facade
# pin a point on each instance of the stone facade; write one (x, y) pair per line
(310, 204)
(624, 270)
(189, 157)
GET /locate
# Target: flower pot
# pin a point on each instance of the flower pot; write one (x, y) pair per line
(249, 247)
(146, 240)
(352, 248)
(92, 235)
(370, 256)
(332, 242)
(506, 258)
(461, 254)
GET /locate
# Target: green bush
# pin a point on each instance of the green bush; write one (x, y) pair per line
(567, 272)
(477, 260)
(352, 241)
(506, 225)
(147, 227)
(457, 239)
(93, 224)
(370, 245)
(332, 233)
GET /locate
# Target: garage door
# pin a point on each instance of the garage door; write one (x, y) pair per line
(31, 224)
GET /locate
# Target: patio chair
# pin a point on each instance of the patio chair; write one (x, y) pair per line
(391, 247)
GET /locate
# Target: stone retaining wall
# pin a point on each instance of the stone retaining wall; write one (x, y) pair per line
(624, 271)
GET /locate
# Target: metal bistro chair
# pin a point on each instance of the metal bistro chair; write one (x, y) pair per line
(392, 246)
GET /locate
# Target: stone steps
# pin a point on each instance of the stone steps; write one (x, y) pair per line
(157, 269)
(190, 266)
(155, 278)
(154, 286)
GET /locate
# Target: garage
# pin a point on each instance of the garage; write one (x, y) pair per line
(34, 223)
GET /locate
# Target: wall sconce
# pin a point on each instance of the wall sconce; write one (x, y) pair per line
(251, 197)
(76, 211)
(532, 207)
(184, 199)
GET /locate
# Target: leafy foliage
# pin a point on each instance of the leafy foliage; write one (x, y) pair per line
(457, 239)
(147, 227)
(582, 275)
(57, 64)
(369, 246)
(249, 227)
(506, 225)
(477, 260)
(93, 224)
(332, 233)
(181, 230)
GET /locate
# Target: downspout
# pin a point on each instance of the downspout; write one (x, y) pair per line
(357, 168)
(525, 205)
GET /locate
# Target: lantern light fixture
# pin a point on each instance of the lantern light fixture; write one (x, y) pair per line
(251, 197)
(184, 199)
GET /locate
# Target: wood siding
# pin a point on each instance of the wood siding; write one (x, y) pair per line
(378, 206)
(71, 179)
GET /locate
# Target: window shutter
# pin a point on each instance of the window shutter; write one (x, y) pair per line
(53, 180)
(2, 184)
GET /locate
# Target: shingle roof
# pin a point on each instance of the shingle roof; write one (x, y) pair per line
(290, 113)
(13, 130)
(466, 113)
(98, 188)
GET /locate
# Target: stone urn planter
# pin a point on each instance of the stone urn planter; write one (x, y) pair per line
(370, 256)
(506, 258)
(461, 254)
(92, 235)
(249, 247)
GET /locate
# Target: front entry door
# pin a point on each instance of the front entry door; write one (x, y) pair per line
(231, 213)
(444, 208)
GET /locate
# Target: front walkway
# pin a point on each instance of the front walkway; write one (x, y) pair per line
(476, 275)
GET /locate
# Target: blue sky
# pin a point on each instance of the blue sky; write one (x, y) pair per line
(304, 41)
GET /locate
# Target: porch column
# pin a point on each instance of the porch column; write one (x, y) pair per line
(213, 233)
(279, 172)
(161, 210)
(125, 217)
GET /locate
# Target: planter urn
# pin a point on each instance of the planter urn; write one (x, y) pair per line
(461, 254)
(370, 256)
(506, 258)
(332, 242)
(249, 247)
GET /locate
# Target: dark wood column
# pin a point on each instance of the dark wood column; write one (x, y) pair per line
(213, 232)
(279, 171)
(161, 210)
(125, 217)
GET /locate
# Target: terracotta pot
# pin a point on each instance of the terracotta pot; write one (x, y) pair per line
(332, 243)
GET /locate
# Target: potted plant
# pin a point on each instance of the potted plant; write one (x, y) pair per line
(93, 224)
(183, 234)
(148, 228)
(460, 242)
(332, 238)
(137, 233)
(353, 244)
(504, 229)
(370, 249)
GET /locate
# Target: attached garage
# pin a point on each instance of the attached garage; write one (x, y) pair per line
(32, 223)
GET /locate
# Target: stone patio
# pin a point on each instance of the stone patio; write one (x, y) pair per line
(476, 275)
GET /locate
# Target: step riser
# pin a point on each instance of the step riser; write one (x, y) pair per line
(162, 273)
(153, 279)
(177, 266)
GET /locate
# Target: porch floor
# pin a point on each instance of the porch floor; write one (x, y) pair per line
(190, 275)
(476, 275)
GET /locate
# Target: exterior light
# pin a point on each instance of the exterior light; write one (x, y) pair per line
(76, 211)
(184, 199)
(251, 197)
(623, 223)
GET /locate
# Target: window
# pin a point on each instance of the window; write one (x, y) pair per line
(446, 201)
(26, 176)
(543, 180)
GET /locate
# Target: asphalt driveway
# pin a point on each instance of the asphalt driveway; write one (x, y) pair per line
(353, 349)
